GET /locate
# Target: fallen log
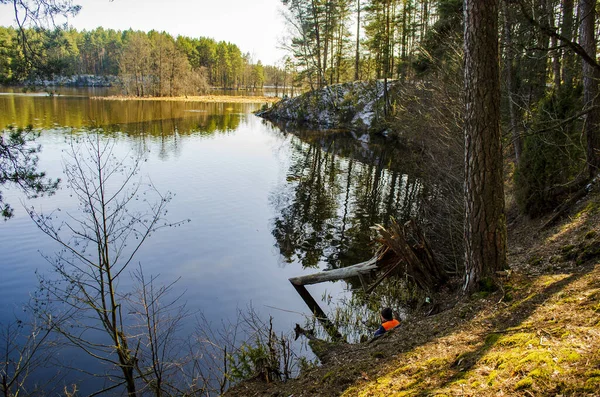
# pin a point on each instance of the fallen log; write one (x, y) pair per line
(337, 274)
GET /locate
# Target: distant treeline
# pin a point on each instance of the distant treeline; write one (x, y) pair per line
(148, 64)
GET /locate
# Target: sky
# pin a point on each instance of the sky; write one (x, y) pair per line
(255, 26)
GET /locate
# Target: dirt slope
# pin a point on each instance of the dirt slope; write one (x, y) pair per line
(537, 336)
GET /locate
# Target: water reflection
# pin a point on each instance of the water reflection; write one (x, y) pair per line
(130, 117)
(336, 189)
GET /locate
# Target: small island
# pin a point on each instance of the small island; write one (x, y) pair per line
(194, 98)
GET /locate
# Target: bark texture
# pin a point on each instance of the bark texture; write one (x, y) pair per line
(485, 226)
(590, 85)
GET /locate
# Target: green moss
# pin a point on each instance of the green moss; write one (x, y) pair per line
(595, 373)
(592, 384)
(491, 339)
(538, 357)
(568, 355)
(319, 347)
(435, 362)
(524, 383)
(502, 360)
(568, 299)
(592, 207)
(492, 378)
(545, 161)
(402, 370)
(327, 376)
(541, 372)
(519, 339)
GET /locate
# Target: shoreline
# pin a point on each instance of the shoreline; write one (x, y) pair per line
(194, 98)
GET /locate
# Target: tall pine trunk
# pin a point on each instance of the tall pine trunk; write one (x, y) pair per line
(567, 33)
(357, 55)
(590, 85)
(485, 226)
(511, 89)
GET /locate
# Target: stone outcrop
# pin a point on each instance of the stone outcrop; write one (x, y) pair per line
(356, 106)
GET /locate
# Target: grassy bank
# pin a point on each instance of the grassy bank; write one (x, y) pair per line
(202, 98)
(536, 336)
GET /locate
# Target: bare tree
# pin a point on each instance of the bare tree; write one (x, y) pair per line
(97, 246)
(23, 350)
(161, 354)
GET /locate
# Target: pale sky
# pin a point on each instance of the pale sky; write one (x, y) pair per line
(255, 26)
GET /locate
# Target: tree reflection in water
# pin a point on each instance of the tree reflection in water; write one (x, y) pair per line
(337, 188)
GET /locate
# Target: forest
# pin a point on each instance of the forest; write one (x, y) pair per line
(147, 64)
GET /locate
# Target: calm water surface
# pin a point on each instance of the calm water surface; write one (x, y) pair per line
(264, 204)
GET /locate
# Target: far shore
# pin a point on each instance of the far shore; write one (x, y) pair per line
(189, 98)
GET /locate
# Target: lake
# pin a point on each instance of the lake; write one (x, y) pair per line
(265, 202)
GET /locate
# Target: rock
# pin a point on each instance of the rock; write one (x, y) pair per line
(357, 106)
(80, 80)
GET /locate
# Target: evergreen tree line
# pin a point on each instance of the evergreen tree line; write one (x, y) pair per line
(148, 64)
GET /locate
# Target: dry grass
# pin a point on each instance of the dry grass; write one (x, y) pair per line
(203, 98)
(544, 343)
(538, 336)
